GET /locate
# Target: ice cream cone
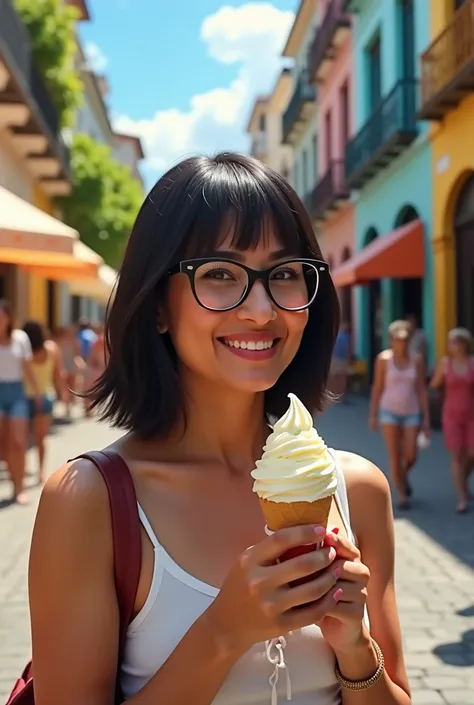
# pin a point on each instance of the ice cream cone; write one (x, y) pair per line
(280, 515)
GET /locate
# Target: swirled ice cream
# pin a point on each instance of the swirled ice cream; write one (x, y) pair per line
(295, 479)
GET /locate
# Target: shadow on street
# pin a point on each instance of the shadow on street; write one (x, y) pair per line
(345, 426)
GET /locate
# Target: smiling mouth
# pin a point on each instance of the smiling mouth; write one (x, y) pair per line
(249, 344)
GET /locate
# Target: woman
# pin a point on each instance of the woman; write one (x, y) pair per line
(95, 362)
(215, 320)
(50, 379)
(15, 367)
(456, 373)
(399, 403)
(74, 365)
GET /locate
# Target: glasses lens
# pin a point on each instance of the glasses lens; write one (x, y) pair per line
(220, 285)
(294, 285)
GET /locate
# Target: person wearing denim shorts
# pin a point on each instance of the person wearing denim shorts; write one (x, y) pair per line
(399, 404)
(15, 367)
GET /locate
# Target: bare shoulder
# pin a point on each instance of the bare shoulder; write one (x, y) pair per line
(360, 473)
(385, 355)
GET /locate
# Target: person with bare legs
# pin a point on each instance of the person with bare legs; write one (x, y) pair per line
(50, 377)
(456, 373)
(399, 404)
(70, 351)
(15, 368)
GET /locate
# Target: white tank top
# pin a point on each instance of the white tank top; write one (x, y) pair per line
(177, 599)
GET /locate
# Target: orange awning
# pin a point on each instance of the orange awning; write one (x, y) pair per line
(82, 263)
(399, 255)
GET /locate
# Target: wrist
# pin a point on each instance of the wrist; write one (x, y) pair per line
(358, 661)
(225, 646)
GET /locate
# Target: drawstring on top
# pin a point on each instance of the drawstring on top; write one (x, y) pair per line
(275, 655)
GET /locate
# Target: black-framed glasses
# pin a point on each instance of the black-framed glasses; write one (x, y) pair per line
(223, 284)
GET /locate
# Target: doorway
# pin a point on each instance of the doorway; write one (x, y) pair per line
(346, 294)
(464, 239)
(411, 290)
(375, 317)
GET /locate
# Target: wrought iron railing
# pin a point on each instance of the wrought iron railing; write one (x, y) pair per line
(330, 188)
(16, 48)
(333, 19)
(395, 114)
(304, 92)
(449, 53)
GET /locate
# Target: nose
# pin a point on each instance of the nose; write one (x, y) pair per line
(257, 307)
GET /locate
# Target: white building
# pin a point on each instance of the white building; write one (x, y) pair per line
(129, 151)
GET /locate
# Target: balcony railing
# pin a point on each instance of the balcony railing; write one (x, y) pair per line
(328, 37)
(259, 145)
(447, 66)
(16, 53)
(299, 108)
(330, 191)
(390, 129)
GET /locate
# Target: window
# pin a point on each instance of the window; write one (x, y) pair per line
(406, 29)
(262, 123)
(374, 59)
(328, 138)
(315, 157)
(304, 169)
(344, 108)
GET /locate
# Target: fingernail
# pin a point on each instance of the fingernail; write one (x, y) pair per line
(337, 572)
(335, 530)
(319, 530)
(337, 595)
(332, 554)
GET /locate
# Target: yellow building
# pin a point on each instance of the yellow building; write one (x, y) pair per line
(447, 99)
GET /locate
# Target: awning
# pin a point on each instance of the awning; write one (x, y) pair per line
(99, 289)
(399, 255)
(25, 227)
(83, 263)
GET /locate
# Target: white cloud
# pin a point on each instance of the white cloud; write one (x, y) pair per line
(252, 37)
(95, 58)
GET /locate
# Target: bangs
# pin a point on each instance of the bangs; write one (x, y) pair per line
(244, 209)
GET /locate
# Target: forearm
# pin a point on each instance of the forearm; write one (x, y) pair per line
(193, 673)
(360, 664)
(424, 404)
(374, 401)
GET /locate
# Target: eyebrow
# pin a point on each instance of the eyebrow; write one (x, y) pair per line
(236, 255)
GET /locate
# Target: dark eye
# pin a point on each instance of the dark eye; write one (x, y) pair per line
(284, 273)
(218, 273)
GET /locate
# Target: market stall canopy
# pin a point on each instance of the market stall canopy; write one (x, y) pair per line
(83, 263)
(398, 255)
(99, 289)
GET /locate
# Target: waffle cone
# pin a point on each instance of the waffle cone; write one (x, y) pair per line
(281, 515)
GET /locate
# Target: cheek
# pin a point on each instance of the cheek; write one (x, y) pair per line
(189, 325)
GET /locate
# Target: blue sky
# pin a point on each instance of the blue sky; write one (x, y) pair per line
(183, 73)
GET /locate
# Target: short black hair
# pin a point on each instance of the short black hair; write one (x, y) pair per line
(186, 215)
(35, 332)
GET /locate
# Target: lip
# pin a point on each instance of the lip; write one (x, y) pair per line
(253, 355)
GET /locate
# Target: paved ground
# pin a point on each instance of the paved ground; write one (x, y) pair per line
(435, 562)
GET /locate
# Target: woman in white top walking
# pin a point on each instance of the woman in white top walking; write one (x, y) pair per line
(223, 307)
(15, 367)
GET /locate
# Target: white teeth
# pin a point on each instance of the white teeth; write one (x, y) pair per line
(249, 344)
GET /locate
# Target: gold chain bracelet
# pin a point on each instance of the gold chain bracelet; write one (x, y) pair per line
(369, 682)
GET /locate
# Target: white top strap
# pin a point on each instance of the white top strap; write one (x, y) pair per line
(147, 526)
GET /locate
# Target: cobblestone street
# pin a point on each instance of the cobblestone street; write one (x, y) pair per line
(435, 561)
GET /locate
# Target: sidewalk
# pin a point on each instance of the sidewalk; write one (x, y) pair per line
(435, 561)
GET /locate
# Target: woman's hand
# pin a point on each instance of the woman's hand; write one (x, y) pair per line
(256, 602)
(343, 626)
(426, 427)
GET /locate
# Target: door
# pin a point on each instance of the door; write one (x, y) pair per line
(465, 274)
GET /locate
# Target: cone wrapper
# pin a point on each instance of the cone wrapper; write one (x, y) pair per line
(282, 515)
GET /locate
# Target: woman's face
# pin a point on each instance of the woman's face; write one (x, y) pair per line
(457, 347)
(205, 341)
(399, 345)
(4, 321)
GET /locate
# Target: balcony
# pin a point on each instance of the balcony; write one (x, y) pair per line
(300, 109)
(329, 36)
(26, 108)
(388, 132)
(330, 192)
(447, 66)
(259, 145)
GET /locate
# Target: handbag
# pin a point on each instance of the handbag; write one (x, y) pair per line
(126, 534)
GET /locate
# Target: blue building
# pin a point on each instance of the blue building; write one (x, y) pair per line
(388, 168)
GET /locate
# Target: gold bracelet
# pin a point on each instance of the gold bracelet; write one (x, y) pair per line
(369, 682)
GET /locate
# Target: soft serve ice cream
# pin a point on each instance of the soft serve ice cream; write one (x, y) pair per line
(295, 479)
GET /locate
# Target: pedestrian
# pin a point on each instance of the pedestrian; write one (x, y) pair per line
(455, 372)
(86, 337)
(96, 362)
(223, 307)
(51, 382)
(418, 339)
(74, 365)
(15, 368)
(341, 361)
(399, 404)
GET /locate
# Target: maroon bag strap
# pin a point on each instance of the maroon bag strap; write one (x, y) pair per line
(126, 532)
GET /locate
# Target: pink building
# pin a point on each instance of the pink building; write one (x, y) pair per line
(331, 68)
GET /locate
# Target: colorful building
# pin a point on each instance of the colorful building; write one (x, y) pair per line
(330, 69)
(387, 167)
(299, 121)
(447, 100)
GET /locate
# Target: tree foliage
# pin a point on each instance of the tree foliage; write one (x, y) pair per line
(52, 25)
(104, 201)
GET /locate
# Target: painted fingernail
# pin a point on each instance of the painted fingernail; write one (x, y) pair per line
(337, 572)
(319, 530)
(332, 554)
(335, 530)
(337, 595)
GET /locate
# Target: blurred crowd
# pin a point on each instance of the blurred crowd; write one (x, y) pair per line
(39, 368)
